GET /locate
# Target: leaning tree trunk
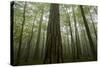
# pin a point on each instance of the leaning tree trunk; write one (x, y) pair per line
(94, 51)
(92, 23)
(21, 34)
(53, 41)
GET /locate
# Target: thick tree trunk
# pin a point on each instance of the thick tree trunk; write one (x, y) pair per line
(21, 34)
(53, 41)
(94, 51)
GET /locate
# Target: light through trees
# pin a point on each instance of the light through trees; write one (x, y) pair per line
(45, 33)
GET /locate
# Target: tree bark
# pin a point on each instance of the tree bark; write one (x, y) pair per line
(53, 41)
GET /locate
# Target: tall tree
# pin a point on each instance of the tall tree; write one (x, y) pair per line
(76, 35)
(92, 23)
(36, 54)
(53, 41)
(43, 45)
(30, 39)
(21, 34)
(67, 33)
(88, 33)
(72, 39)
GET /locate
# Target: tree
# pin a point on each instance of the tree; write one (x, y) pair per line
(76, 35)
(30, 39)
(21, 34)
(92, 23)
(43, 44)
(88, 33)
(72, 39)
(53, 41)
(12, 21)
(36, 54)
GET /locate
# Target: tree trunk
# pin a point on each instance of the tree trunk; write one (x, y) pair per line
(76, 35)
(65, 51)
(29, 41)
(92, 23)
(53, 41)
(68, 42)
(94, 51)
(72, 40)
(43, 45)
(36, 53)
(95, 10)
(21, 34)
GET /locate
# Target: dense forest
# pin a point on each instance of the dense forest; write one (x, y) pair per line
(46, 33)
